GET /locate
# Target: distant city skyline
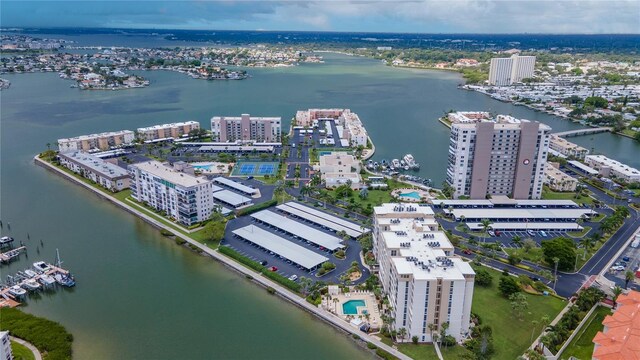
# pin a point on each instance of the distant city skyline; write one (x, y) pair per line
(457, 16)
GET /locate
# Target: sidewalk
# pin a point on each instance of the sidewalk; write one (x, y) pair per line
(36, 353)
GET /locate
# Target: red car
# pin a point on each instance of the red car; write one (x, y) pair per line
(273, 268)
(466, 251)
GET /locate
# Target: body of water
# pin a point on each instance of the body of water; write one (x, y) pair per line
(139, 295)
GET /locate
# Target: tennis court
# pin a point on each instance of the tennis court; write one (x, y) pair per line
(255, 168)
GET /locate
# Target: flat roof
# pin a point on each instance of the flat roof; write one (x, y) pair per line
(231, 198)
(521, 213)
(236, 185)
(169, 174)
(462, 202)
(329, 217)
(236, 148)
(318, 220)
(491, 202)
(281, 246)
(527, 226)
(301, 230)
(583, 167)
(167, 126)
(96, 164)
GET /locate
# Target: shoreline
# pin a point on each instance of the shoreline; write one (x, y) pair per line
(255, 277)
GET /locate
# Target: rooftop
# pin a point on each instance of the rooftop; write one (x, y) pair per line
(92, 136)
(620, 339)
(165, 126)
(96, 164)
(169, 174)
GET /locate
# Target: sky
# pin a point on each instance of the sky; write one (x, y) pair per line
(417, 16)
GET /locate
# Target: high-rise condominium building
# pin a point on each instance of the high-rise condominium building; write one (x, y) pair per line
(424, 282)
(506, 71)
(164, 131)
(181, 196)
(505, 156)
(246, 128)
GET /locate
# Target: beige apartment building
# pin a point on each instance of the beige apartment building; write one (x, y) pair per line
(567, 148)
(246, 128)
(558, 180)
(165, 131)
(102, 141)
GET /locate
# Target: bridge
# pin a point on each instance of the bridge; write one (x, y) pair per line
(585, 131)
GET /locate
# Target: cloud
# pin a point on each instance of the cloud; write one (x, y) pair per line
(450, 16)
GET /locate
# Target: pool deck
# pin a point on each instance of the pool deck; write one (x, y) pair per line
(370, 306)
(423, 194)
(209, 167)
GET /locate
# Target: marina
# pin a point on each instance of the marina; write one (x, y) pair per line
(12, 254)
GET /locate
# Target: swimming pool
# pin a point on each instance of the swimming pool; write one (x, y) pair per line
(351, 307)
(202, 167)
(413, 195)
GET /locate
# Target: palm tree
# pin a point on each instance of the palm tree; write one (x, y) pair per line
(587, 243)
(335, 305)
(402, 333)
(486, 225)
(48, 146)
(432, 327)
(517, 240)
(628, 276)
(556, 260)
(616, 292)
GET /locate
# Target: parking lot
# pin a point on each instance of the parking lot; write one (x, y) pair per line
(283, 266)
(629, 260)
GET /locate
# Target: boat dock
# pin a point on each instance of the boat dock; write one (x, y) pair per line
(5, 257)
(48, 277)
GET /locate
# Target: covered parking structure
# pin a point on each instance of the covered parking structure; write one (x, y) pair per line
(237, 186)
(297, 254)
(521, 214)
(323, 219)
(231, 199)
(302, 231)
(587, 170)
(503, 202)
(524, 226)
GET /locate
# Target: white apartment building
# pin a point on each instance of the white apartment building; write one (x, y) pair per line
(110, 176)
(102, 141)
(468, 116)
(246, 128)
(611, 168)
(425, 284)
(165, 131)
(558, 180)
(567, 148)
(505, 156)
(354, 132)
(338, 168)
(5, 346)
(182, 196)
(506, 71)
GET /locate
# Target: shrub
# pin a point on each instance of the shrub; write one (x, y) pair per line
(327, 266)
(508, 286)
(483, 278)
(385, 355)
(371, 346)
(180, 241)
(240, 258)
(271, 290)
(257, 207)
(291, 285)
(166, 232)
(414, 340)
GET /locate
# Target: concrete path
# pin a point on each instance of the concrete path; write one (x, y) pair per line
(257, 277)
(36, 353)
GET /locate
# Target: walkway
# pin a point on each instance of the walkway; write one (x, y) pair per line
(582, 132)
(36, 353)
(257, 277)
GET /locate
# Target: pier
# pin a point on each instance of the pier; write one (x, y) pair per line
(10, 300)
(5, 257)
(586, 131)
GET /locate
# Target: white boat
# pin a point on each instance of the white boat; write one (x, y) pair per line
(41, 266)
(403, 163)
(17, 291)
(30, 273)
(31, 285)
(47, 281)
(411, 162)
(6, 240)
(395, 163)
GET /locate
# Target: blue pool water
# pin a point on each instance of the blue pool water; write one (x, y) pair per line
(351, 307)
(201, 167)
(413, 195)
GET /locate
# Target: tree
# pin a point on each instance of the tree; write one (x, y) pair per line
(596, 101)
(486, 225)
(483, 278)
(305, 283)
(482, 343)
(564, 249)
(517, 240)
(528, 244)
(415, 339)
(514, 259)
(519, 304)
(402, 333)
(628, 276)
(587, 244)
(617, 290)
(508, 285)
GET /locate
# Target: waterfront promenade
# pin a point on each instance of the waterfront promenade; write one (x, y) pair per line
(255, 276)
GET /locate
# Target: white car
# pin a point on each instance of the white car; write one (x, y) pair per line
(617, 268)
(293, 277)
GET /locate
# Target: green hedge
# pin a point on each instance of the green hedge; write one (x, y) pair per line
(240, 258)
(48, 336)
(291, 285)
(385, 355)
(257, 207)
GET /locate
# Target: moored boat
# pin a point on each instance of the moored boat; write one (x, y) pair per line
(47, 281)
(41, 266)
(17, 291)
(30, 273)
(30, 285)
(64, 280)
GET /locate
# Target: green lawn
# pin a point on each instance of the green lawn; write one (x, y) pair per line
(579, 234)
(582, 346)
(427, 351)
(376, 197)
(534, 255)
(21, 352)
(553, 195)
(511, 337)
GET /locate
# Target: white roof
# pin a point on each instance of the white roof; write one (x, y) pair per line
(167, 126)
(509, 202)
(462, 202)
(169, 174)
(240, 187)
(527, 226)
(583, 167)
(521, 213)
(322, 219)
(303, 231)
(231, 198)
(96, 164)
(283, 247)
(323, 215)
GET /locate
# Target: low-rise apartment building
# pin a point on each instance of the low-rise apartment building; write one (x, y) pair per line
(102, 141)
(354, 132)
(463, 117)
(558, 180)
(110, 176)
(340, 168)
(182, 196)
(166, 131)
(567, 148)
(612, 168)
(424, 282)
(246, 128)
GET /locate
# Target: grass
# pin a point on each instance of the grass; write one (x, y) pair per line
(21, 352)
(547, 194)
(579, 234)
(582, 346)
(376, 197)
(511, 337)
(534, 255)
(428, 351)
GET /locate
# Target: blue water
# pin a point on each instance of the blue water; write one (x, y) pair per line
(413, 195)
(200, 167)
(351, 307)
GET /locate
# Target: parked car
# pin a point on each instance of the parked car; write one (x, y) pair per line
(531, 233)
(293, 277)
(626, 258)
(263, 262)
(542, 233)
(491, 233)
(273, 268)
(498, 232)
(617, 268)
